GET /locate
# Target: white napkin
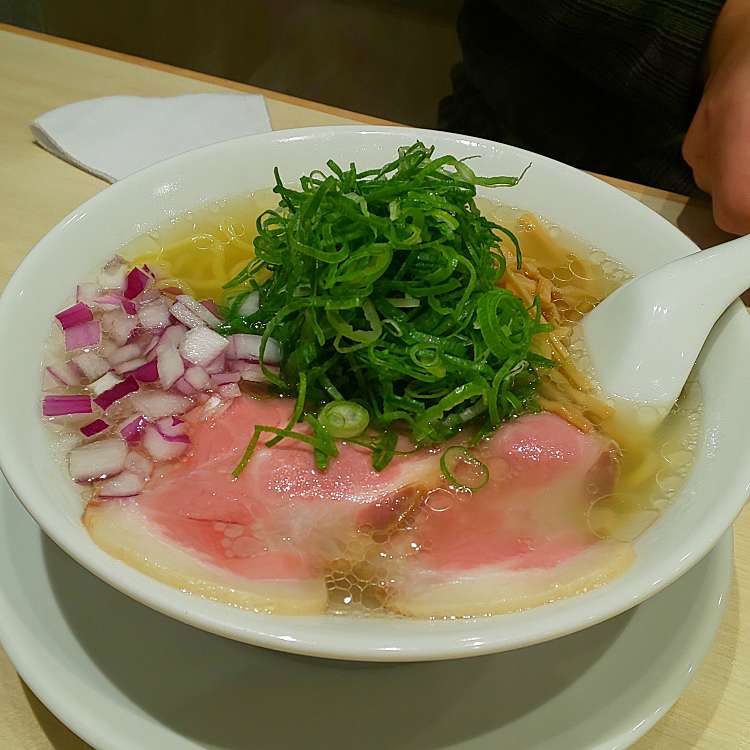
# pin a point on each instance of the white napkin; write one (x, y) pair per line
(115, 136)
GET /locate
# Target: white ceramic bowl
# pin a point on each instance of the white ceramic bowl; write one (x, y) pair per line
(715, 492)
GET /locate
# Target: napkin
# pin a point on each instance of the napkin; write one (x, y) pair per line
(115, 136)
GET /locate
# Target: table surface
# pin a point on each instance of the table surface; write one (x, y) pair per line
(38, 73)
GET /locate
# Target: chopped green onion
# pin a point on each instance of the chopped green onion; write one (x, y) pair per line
(463, 469)
(344, 419)
(381, 286)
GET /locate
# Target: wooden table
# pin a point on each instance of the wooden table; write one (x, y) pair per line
(39, 73)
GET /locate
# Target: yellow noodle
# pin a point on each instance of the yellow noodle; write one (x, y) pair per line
(574, 416)
(585, 400)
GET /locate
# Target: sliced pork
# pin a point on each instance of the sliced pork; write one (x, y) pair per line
(261, 540)
(521, 540)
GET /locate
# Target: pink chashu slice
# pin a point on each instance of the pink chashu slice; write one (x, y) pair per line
(521, 540)
(262, 540)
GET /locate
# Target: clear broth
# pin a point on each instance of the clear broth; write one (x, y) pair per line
(200, 250)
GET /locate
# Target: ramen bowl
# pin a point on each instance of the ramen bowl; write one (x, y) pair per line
(601, 215)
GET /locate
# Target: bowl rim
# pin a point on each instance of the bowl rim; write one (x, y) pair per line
(329, 642)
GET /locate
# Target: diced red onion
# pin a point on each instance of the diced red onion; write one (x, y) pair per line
(86, 292)
(250, 304)
(172, 336)
(124, 353)
(150, 295)
(94, 428)
(202, 345)
(155, 404)
(247, 346)
(170, 365)
(147, 373)
(119, 325)
(112, 276)
(229, 390)
(107, 301)
(91, 365)
(222, 378)
(184, 387)
(198, 378)
(135, 282)
(125, 484)
(218, 365)
(128, 306)
(104, 383)
(138, 464)
(97, 460)
(170, 427)
(60, 406)
(212, 307)
(83, 335)
(161, 448)
(186, 316)
(132, 428)
(75, 315)
(199, 309)
(65, 373)
(125, 328)
(130, 366)
(153, 342)
(154, 315)
(108, 347)
(106, 399)
(212, 405)
(253, 373)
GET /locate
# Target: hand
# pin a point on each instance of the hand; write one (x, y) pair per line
(717, 145)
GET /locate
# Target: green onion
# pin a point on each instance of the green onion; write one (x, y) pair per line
(462, 469)
(383, 293)
(344, 419)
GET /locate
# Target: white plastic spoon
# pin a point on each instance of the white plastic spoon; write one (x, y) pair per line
(643, 340)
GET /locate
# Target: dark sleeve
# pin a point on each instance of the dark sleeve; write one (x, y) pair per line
(605, 85)
(651, 50)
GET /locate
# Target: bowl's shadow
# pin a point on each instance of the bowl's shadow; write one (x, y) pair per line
(58, 735)
(225, 694)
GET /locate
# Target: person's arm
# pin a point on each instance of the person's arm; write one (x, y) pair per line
(717, 145)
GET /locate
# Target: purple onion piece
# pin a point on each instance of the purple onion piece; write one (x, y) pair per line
(94, 428)
(59, 406)
(83, 335)
(212, 307)
(135, 282)
(176, 438)
(170, 427)
(106, 399)
(129, 306)
(99, 459)
(229, 390)
(148, 373)
(161, 448)
(74, 315)
(131, 430)
(91, 365)
(65, 373)
(110, 301)
(222, 378)
(184, 387)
